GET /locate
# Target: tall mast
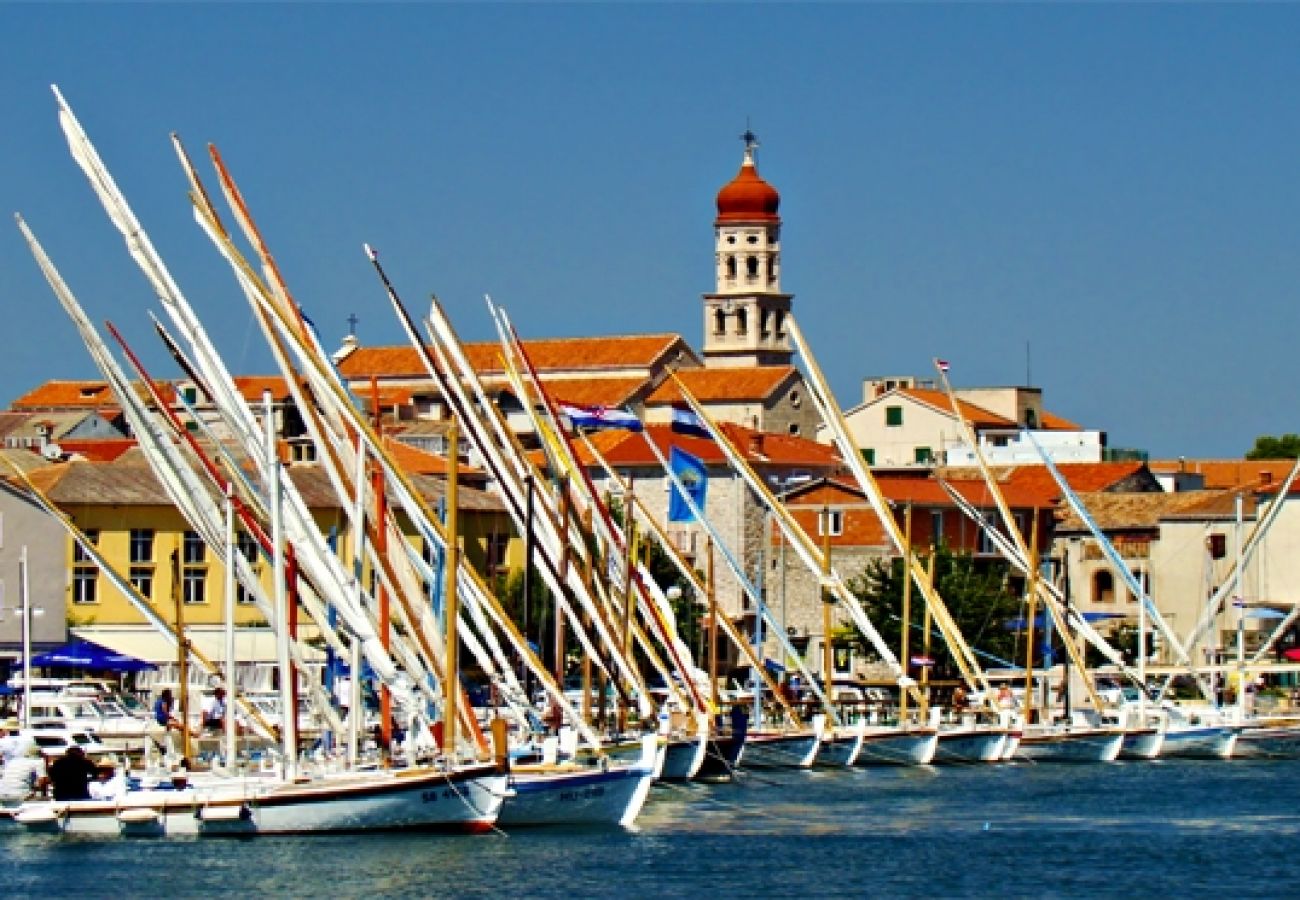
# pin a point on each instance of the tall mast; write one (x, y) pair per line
(907, 607)
(182, 654)
(1032, 590)
(228, 719)
(451, 603)
(288, 712)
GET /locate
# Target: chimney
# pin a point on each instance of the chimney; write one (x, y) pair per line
(756, 444)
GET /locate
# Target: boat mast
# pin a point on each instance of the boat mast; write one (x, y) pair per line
(288, 712)
(1240, 603)
(907, 608)
(1030, 614)
(451, 603)
(828, 657)
(182, 653)
(228, 718)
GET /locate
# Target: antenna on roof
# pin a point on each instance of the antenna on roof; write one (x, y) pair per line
(1029, 379)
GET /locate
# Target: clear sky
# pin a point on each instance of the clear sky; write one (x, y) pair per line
(1113, 185)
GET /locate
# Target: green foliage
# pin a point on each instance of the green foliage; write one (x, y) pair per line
(1269, 447)
(976, 593)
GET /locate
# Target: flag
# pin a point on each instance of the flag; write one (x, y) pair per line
(694, 477)
(599, 417)
(685, 421)
(942, 364)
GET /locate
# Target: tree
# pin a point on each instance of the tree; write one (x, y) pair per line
(978, 593)
(1269, 447)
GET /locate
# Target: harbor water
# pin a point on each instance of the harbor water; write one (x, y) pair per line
(1168, 828)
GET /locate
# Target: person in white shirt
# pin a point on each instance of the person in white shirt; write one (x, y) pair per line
(214, 710)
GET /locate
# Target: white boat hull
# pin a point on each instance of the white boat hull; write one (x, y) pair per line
(1200, 741)
(1143, 743)
(1268, 742)
(592, 797)
(840, 747)
(684, 757)
(896, 747)
(770, 750)
(467, 800)
(971, 745)
(1071, 746)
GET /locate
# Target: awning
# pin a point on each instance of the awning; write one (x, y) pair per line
(83, 654)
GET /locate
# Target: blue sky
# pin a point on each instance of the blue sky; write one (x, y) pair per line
(1113, 185)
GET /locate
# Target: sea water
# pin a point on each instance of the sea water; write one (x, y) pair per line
(1130, 829)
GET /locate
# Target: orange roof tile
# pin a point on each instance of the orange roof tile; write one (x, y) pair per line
(98, 450)
(717, 385)
(1053, 422)
(251, 387)
(977, 416)
(55, 394)
(759, 448)
(608, 392)
(626, 351)
(1228, 473)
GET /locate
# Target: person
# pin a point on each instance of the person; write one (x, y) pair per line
(1006, 700)
(959, 701)
(214, 710)
(9, 745)
(22, 777)
(164, 710)
(71, 774)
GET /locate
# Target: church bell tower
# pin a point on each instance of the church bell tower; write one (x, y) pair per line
(744, 317)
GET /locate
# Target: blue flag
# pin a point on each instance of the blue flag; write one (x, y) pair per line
(691, 473)
(685, 421)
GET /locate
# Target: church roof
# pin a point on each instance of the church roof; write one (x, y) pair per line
(722, 385)
(747, 197)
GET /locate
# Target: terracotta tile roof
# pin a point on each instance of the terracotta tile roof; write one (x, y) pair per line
(860, 528)
(250, 387)
(609, 392)
(1052, 422)
(626, 351)
(625, 448)
(720, 385)
(98, 450)
(1118, 512)
(977, 416)
(1228, 473)
(54, 394)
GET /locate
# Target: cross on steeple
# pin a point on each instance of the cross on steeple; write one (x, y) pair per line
(352, 324)
(750, 139)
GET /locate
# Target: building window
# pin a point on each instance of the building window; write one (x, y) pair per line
(495, 554)
(830, 522)
(731, 268)
(142, 581)
(751, 267)
(869, 455)
(794, 428)
(936, 528)
(1031, 419)
(191, 395)
(1143, 582)
(85, 574)
(924, 456)
(84, 583)
(194, 586)
(986, 545)
(742, 322)
(246, 547)
(194, 573)
(195, 551)
(719, 322)
(1103, 587)
(795, 399)
(893, 416)
(141, 545)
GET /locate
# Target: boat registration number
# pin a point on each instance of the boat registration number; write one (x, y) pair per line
(434, 796)
(590, 793)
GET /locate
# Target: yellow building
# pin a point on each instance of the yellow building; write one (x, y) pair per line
(125, 510)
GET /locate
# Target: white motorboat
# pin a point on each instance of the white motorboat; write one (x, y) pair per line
(892, 745)
(1069, 743)
(972, 744)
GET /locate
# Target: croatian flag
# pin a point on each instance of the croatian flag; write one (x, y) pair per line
(599, 417)
(942, 364)
(685, 421)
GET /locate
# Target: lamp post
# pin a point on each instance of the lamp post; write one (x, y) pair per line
(26, 611)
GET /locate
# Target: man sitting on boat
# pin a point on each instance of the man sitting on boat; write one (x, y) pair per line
(71, 774)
